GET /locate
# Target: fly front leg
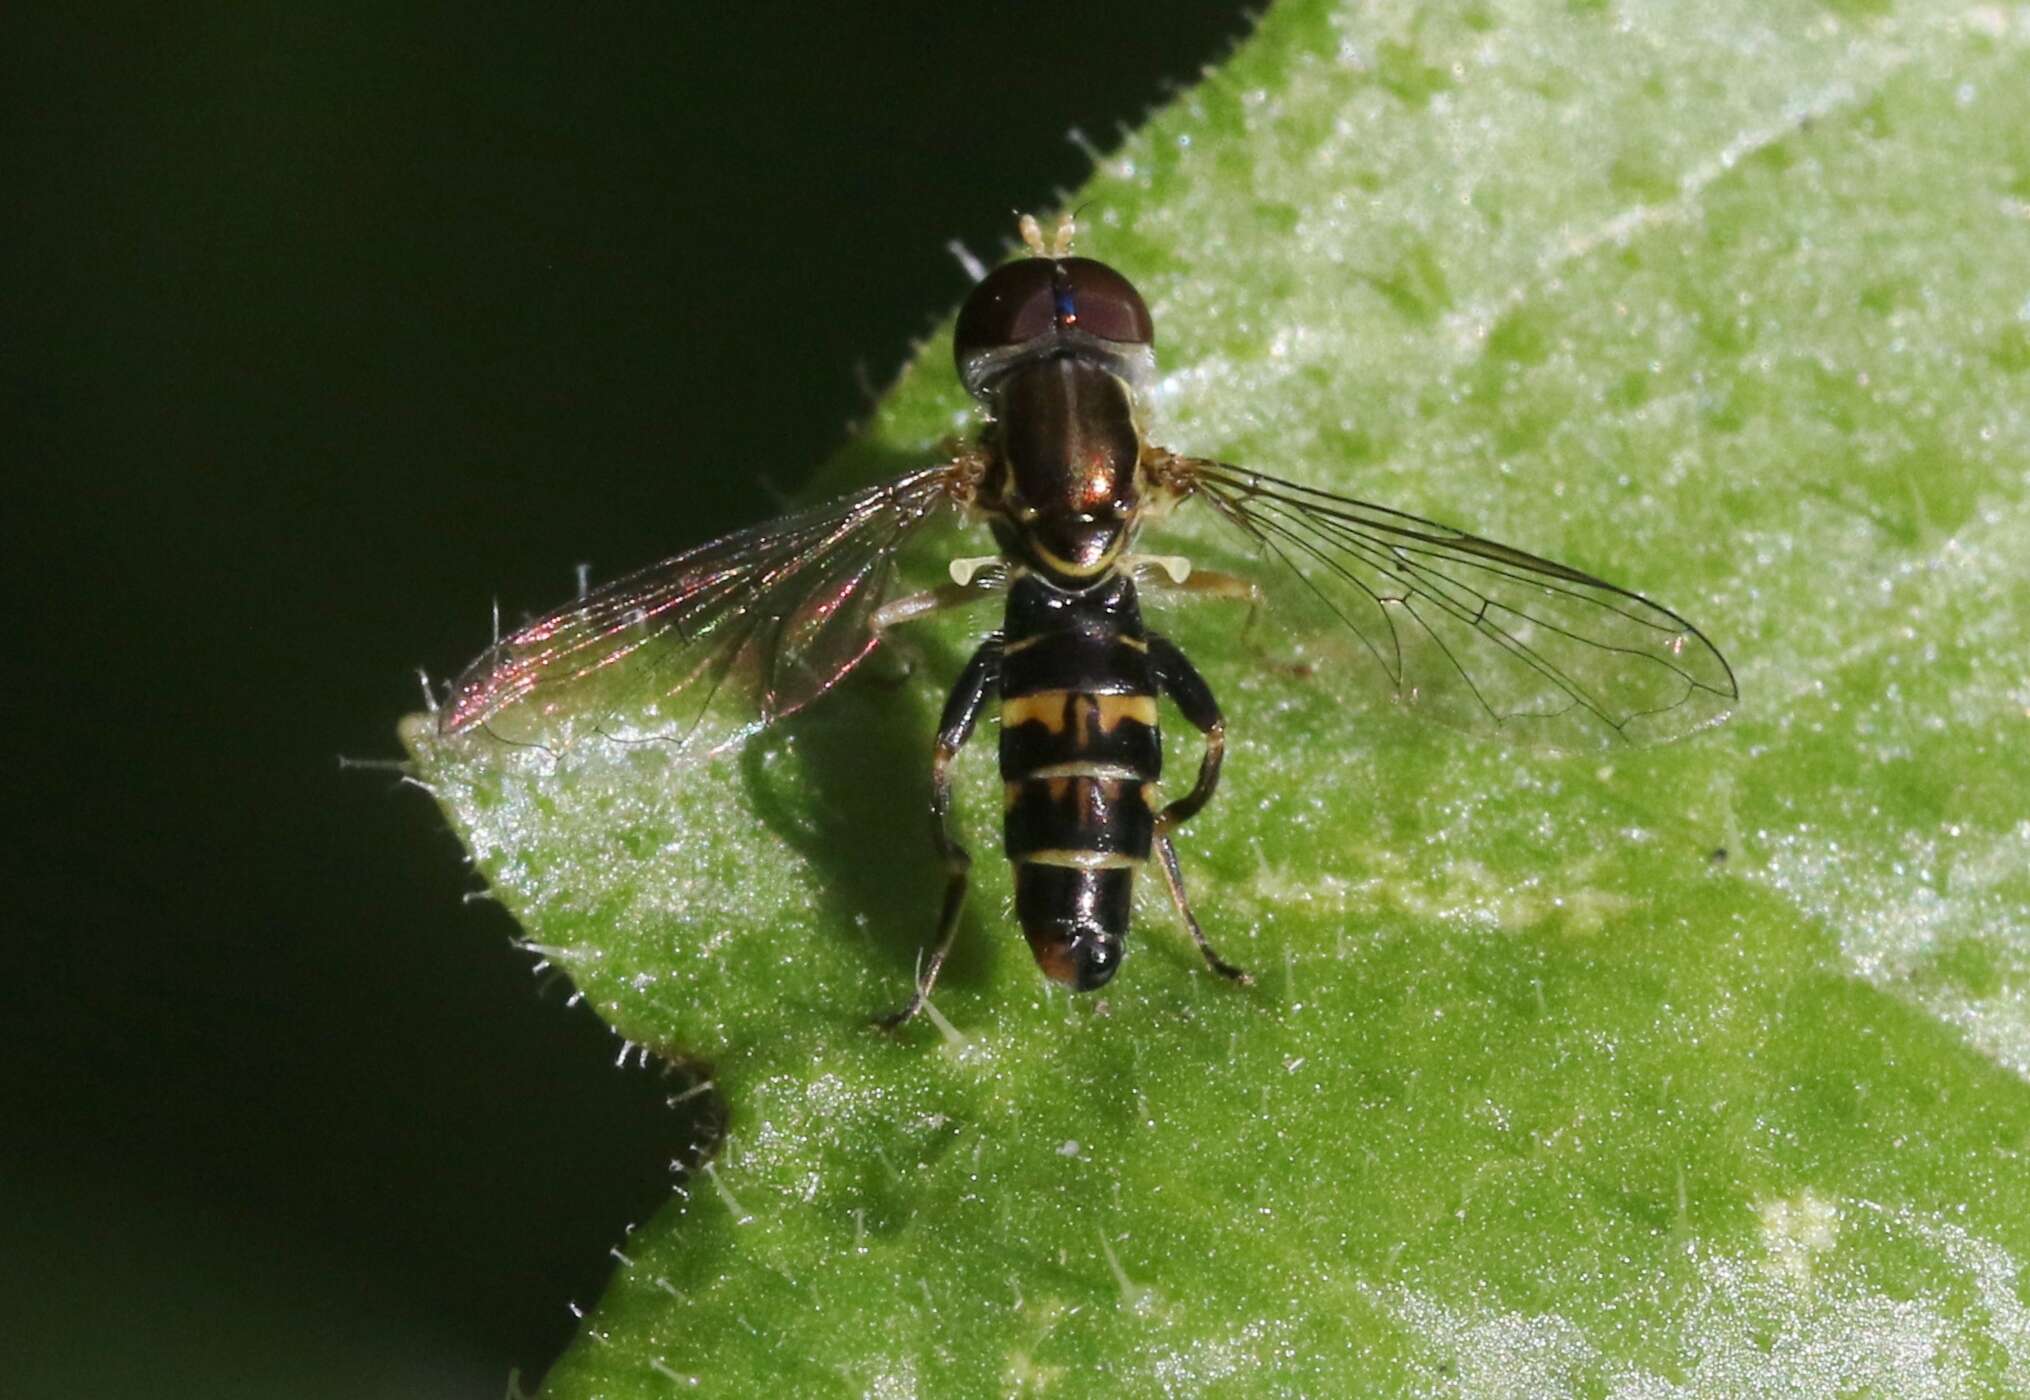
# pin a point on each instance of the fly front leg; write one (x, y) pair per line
(973, 588)
(976, 684)
(1177, 575)
(976, 587)
(1179, 679)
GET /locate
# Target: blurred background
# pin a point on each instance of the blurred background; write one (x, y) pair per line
(324, 327)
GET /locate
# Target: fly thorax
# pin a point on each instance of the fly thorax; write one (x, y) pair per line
(1069, 444)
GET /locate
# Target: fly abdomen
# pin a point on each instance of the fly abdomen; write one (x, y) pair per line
(1080, 756)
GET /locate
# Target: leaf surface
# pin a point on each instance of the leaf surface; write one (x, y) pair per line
(1538, 1092)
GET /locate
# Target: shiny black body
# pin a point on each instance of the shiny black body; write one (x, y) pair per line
(745, 630)
(1080, 756)
(1048, 346)
(1078, 676)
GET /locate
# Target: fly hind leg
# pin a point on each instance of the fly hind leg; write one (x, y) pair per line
(1173, 877)
(980, 679)
(1180, 680)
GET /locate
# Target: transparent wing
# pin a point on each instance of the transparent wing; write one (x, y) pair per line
(713, 644)
(1470, 632)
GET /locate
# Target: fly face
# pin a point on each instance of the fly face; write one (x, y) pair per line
(1046, 305)
(705, 648)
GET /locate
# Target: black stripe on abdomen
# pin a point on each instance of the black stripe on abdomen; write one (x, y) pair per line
(1078, 818)
(1056, 902)
(1054, 728)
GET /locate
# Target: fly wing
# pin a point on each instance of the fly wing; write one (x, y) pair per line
(713, 644)
(1473, 633)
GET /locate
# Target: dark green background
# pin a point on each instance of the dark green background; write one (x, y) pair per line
(322, 328)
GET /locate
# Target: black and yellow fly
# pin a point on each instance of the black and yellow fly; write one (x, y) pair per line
(1058, 350)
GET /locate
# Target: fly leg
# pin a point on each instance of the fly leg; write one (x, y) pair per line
(980, 679)
(912, 606)
(1173, 877)
(1179, 679)
(1210, 583)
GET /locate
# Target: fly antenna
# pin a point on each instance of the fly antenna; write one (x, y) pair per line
(1032, 235)
(1060, 238)
(1067, 227)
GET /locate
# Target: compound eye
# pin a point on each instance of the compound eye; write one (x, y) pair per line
(1102, 303)
(1013, 304)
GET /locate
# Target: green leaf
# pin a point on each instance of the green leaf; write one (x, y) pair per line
(1538, 1092)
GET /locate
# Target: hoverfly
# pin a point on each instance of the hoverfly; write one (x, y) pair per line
(1059, 352)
